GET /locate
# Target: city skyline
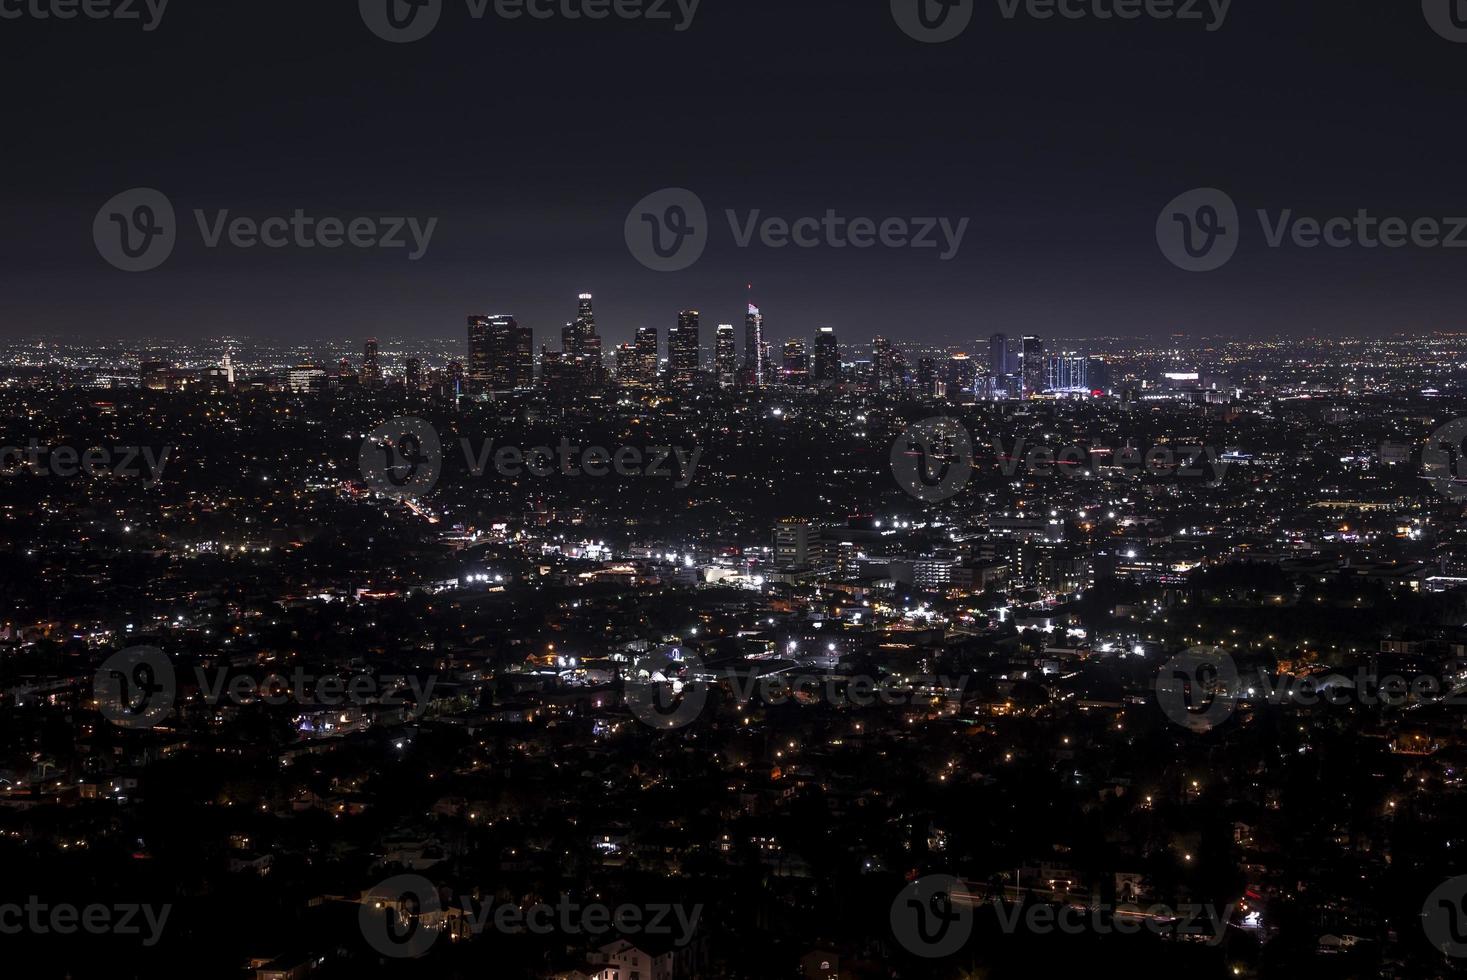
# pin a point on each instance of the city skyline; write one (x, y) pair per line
(1045, 172)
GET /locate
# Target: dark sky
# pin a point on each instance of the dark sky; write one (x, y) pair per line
(530, 140)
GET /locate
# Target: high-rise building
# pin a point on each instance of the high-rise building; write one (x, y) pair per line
(478, 373)
(796, 363)
(797, 543)
(628, 364)
(413, 376)
(725, 358)
(511, 354)
(827, 357)
(307, 377)
(1032, 366)
(754, 346)
(501, 354)
(1099, 374)
(926, 378)
(371, 370)
(962, 377)
(887, 365)
(580, 346)
(454, 376)
(1068, 373)
(646, 355)
(683, 354)
(998, 355)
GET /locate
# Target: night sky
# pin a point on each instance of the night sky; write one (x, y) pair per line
(530, 141)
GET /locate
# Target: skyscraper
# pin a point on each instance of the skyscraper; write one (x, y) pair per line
(725, 358)
(827, 357)
(962, 378)
(371, 370)
(884, 373)
(998, 355)
(796, 363)
(477, 375)
(511, 354)
(414, 376)
(1032, 366)
(646, 372)
(754, 346)
(580, 345)
(501, 354)
(628, 364)
(926, 378)
(682, 349)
